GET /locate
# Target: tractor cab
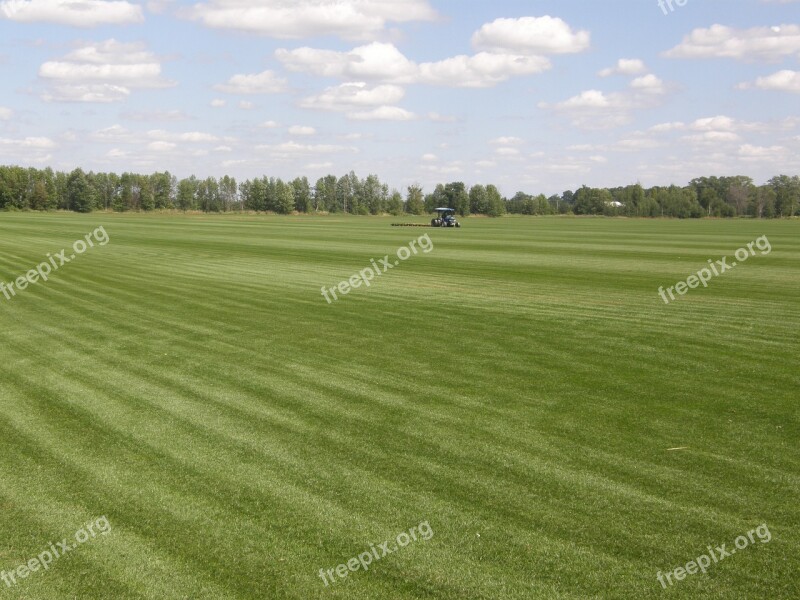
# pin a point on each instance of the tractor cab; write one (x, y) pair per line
(446, 218)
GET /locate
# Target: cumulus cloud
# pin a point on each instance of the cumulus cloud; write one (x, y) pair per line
(297, 149)
(782, 81)
(649, 84)
(77, 13)
(530, 36)
(383, 62)
(295, 19)
(375, 61)
(266, 82)
(155, 115)
(752, 153)
(506, 141)
(355, 94)
(594, 109)
(161, 146)
(29, 142)
(383, 113)
(757, 43)
(481, 70)
(101, 72)
(5, 113)
(625, 66)
(723, 123)
(302, 130)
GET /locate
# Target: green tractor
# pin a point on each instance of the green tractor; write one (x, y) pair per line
(446, 218)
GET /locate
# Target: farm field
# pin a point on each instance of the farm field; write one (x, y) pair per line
(521, 389)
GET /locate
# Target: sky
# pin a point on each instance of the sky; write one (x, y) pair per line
(536, 96)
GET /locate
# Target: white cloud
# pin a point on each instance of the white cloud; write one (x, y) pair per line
(197, 136)
(430, 157)
(594, 109)
(296, 149)
(530, 36)
(452, 168)
(29, 142)
(115, 133)
(723, 123)
(266, 82)
(218, 103)
(293, 19)
(246, 105)
(507, 141)
(757, 43)
(356, 94)
(481, 70)
(718, 123)
(649, 84)
(269, 125)
(101, 72)
(302, 130)
(161, 146)
(625, 66)
(77, 13)
(155, 115)
(375, 61)
(712, 137)
(506, 151)
(751, 153)
(319, 166)
(385, 63)
(782, 81)
(5, 113)
(383, 113)
(437, 118)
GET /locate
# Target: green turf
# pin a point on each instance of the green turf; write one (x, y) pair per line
(518, 388)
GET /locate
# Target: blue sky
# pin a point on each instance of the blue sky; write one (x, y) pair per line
(528, 95)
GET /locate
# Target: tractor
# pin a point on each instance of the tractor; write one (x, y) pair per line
(446, 218)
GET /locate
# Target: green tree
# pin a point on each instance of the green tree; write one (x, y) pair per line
(187, 188)
(284, 197)
(415, 201)
(478, 200)
(495, 203)
(394, 205)
(302, 195)
(79, 192)
(787, 194)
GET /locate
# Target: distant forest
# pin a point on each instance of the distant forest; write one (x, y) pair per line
(44, 189)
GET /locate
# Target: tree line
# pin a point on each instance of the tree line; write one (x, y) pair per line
(44, 189)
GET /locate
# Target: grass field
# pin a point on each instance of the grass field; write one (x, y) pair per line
(519, 388)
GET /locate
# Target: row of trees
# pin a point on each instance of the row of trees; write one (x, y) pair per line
(45, 189)
(704, 196)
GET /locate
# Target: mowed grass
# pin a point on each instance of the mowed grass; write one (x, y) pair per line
(519, 388)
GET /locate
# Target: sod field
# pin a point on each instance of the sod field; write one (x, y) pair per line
(519, 397)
